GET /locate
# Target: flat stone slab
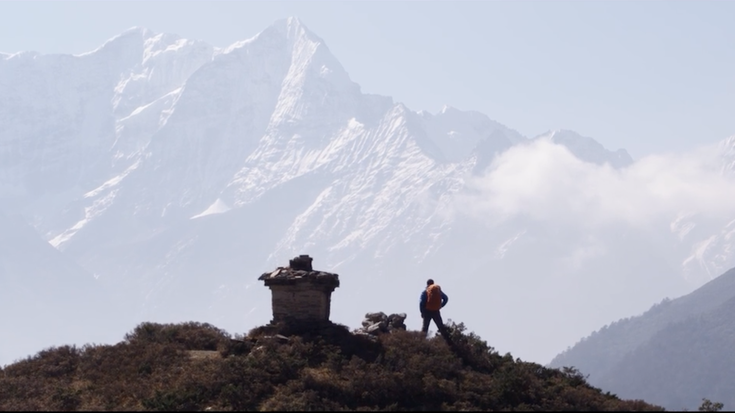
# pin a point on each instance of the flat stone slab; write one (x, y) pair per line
(287, 275)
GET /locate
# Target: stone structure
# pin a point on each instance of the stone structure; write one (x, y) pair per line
(376, 323)
(300, 294)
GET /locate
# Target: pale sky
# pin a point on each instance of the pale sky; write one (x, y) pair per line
(647, 76)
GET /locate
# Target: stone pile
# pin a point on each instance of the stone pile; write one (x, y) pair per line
(377, 323)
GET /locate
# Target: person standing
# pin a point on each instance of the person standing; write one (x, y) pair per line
(432, 301)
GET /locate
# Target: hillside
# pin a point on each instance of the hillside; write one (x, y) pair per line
(674, 354)
(193, 366)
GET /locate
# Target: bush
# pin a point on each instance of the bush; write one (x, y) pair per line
(324, 367)
(192, 335)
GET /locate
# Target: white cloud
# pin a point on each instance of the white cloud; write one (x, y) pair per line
(544, 181)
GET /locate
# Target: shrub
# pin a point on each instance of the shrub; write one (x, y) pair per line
(324, 367)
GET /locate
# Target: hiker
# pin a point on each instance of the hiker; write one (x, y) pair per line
(433, 300)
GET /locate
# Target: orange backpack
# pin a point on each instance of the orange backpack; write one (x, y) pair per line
(433, 297)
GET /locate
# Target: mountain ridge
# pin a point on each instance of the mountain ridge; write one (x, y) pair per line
(683, 342)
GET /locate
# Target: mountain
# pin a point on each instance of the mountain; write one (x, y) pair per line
(588, 149)
(727, 151)
(710, 241)
(674, 354)
(176, 172)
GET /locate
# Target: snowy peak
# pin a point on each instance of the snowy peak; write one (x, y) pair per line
(313, 73)
(122, 51)
(587, 149)
(291, 37)
(133, 35)
(281, 32)
(164, 63)
(291, 28)
(458, 133)
(311, 81)
(162, 43)
(279, 94)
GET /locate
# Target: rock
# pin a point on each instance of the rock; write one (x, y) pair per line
(396, 321)
(376, 317)
(378, 328)
(377, 323)
(364, 334)
(399, 316)
(374, 329)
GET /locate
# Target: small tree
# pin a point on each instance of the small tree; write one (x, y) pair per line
(708, 406)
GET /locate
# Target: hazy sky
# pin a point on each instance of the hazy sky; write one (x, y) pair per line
(645, 76)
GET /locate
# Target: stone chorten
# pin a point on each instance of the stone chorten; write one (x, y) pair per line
(300, 294)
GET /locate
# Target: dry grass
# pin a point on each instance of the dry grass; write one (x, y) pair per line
(203, 354)
(195, 366)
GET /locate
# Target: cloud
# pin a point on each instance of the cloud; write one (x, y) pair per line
(543, 181)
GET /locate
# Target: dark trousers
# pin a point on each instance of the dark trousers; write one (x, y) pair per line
(437, 317)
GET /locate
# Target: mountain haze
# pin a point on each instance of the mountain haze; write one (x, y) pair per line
(168, 174)
(674, 354)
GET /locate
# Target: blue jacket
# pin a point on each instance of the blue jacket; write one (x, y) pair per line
(422, 303)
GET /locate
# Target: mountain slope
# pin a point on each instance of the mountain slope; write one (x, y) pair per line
(682, 363)
(588, 149)
(674, 354)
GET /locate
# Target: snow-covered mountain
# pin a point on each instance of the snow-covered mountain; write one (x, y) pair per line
(174, 173)
(587, 149)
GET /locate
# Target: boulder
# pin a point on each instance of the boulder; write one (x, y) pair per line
(377, 323)
(376, 317)
(374, 329)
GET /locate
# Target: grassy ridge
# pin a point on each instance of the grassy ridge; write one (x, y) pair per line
(194, 366)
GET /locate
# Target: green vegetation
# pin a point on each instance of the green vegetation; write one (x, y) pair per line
(710, 406)
(195, 366)
(683, 363)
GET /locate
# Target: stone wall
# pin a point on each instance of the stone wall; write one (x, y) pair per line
(300, 294)
(299, 302)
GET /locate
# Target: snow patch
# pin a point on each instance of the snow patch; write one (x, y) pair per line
(503, 248)
(91, 212)
(681, 227)
(113, 181)
(219, 206)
